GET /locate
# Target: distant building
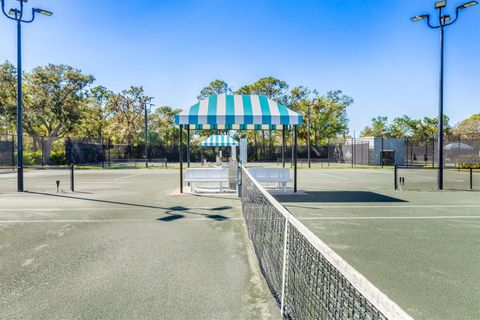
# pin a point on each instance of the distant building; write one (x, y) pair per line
(389, 149)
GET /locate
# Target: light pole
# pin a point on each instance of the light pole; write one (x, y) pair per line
(308, 134)
(443, 21)
(17, 16)
(146, 132)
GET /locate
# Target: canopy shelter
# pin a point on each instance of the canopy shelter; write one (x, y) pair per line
(219, 140)
(457, 146)
(234, 112)
(238, 112)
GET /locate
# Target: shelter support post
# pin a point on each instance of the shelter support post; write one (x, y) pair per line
(188, 146)
(295, 159)
(283, 145)
(180, 152)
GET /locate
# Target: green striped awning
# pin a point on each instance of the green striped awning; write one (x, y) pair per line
(219, 141)
(238, 112)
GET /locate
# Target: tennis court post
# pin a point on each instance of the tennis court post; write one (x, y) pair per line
(295, 159)
(181, 158)
(395, 173)
(283, 145)
(72, 177)
(471, 178)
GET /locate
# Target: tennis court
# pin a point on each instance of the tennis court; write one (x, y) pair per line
(121, 247)
(419, 248)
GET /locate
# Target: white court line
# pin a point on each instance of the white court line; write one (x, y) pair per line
(388, 218)
(390, 206)
(132, 207)
(130, 176)
(334, 176)
(69, 209)
(237, 218)
(109, 220)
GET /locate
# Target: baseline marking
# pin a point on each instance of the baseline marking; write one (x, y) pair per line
(391, 206)
(130, 176)
(107, 220)
(388, 218)
(109, 208)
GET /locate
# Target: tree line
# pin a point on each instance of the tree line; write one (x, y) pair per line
(61, 101)
(425, 129)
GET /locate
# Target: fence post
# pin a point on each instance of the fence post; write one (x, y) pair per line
(13, 151)
(43, 148)
(471, 178)
(72, 178)
(353, 152)
(395, 173)
(109, 154)
(103, 153)
(381, 154)
(433, 152)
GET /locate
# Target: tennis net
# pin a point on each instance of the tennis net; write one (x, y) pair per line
(307, 278)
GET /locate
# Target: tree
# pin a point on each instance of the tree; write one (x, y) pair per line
(96, 114)
(332, 119)
(468, 128)
(8, 97)
(163, 124)
(271, 87)
(299, 100)
(378, 128)
(214, 88)
(127, 108)
(404, 127)
(428, 128)
(274, 89)
(54, 101)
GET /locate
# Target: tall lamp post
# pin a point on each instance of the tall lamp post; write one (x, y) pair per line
(146, 131)
(17, 16)
(443, 21)
(308, 133)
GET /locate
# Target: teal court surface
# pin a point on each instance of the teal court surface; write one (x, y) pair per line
(124, 245)
(422, 249)
(121, 247)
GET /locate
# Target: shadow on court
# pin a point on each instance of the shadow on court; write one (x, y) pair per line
(167, 210)
(339, 196)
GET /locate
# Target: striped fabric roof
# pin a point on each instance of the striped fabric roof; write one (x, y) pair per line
(219, 141)
(231, 110)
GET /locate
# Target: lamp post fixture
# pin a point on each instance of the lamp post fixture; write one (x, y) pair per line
(146, 131)
(17, 16)
(443, 21)
(308, 134)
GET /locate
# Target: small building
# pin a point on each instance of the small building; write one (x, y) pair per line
(390, 150)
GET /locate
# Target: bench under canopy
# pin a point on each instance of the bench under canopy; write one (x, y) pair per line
(237, 112)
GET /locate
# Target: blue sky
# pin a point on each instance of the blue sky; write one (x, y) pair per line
(369, 49)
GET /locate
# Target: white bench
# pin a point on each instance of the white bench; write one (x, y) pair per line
(194, 175)
(275, 175)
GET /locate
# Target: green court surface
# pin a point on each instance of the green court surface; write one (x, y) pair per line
(422, 249)
(122, 247)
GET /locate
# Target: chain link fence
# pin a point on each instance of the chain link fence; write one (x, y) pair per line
(425, 178)
(39, 179)
(457, 152)
(352, 152)
(55, 151)
(7, 151)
